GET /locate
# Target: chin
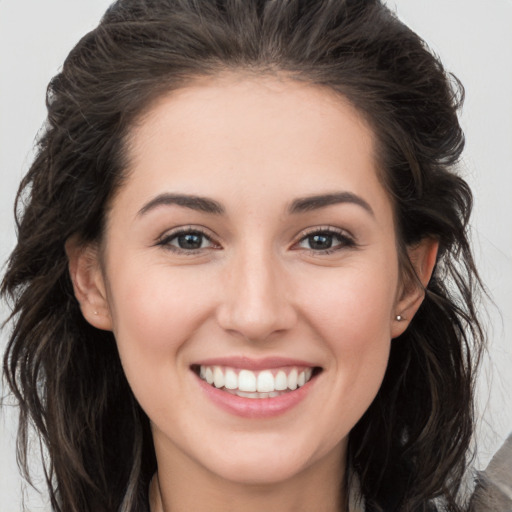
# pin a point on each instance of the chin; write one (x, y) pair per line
(253, 473)
(252, 465)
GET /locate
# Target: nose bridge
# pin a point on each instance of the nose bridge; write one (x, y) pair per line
(256, 300)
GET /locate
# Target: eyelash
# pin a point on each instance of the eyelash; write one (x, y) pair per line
(165, 241)
(345, 241)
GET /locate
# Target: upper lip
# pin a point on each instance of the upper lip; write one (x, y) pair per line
(247, 363)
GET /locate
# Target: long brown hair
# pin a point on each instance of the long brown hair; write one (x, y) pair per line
(66, 375)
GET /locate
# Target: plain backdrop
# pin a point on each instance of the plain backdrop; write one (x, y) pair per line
(474, 40)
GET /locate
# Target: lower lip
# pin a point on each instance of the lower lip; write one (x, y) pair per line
(255, 407)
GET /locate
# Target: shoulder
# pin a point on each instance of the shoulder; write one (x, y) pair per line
(395, 508)
(493, 489)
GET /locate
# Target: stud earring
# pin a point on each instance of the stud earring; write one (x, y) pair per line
(399, 318)
(95, 313)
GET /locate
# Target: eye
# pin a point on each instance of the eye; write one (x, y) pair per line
(188, 240)
(326, 240)
(193, 240)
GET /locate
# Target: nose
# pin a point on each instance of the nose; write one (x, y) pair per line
(256, 298)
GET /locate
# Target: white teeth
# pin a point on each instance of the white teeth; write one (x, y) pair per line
(265, 382)
(281, 381)
(218, 377)
(231, 380)
(292, 379)
(246, 381)
(247, 395)
(272, 394)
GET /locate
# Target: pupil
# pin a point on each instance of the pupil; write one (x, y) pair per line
(190, 241)
(320, 241)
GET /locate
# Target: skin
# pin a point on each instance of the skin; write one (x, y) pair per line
(256, 287)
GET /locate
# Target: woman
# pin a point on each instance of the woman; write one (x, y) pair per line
(243, 279)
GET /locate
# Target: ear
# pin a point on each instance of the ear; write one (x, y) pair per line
(88, 283)
(423, 259)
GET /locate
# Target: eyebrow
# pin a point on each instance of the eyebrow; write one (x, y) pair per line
(201, 204)
(316, 202)
(300, 205)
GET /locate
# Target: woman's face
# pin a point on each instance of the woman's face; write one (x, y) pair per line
(252, 247)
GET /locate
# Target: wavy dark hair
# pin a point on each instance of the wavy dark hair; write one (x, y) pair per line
(66, 375)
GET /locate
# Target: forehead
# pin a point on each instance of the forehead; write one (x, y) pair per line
(272, 135)
(249, 106)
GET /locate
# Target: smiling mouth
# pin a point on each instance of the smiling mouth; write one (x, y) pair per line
(245, 383)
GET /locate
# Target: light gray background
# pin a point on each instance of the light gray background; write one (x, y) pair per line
(474, 40)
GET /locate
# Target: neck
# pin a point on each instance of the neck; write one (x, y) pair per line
(177, 489)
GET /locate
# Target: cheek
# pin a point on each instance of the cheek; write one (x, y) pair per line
(154, 313)
(155, 302)
(353, 306)
(352, 314)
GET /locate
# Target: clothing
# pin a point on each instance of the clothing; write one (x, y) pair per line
(493, 492)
